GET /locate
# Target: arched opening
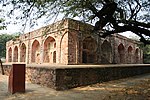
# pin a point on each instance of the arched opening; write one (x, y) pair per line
(84, 57)
(49, 48)
(106, 52)
(54, 45)
(23, 53)
(10, 55)
(35, 56)
(121, 51)
(130, 49)
(15, 58)
(89, 50)
(54, 57)
(137, 56)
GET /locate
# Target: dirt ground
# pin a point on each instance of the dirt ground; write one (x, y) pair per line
(133, 88)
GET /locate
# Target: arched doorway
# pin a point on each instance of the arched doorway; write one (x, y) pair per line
(106, 52)
(89, 50)
(50, 50)
(130, 55)
(15, 58)
(10, 55)
(23, 53)
(121, 51)
(137, 56)
(35, 56)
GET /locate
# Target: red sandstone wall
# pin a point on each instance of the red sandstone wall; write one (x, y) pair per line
(69, 36)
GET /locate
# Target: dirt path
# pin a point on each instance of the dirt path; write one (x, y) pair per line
(135, 88)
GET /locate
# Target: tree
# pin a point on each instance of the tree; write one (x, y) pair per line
(3, 39)
(146, 54)
(2, 27)
(111, 16)
(1, 21)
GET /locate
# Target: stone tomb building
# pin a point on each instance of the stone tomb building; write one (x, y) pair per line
(72, 42)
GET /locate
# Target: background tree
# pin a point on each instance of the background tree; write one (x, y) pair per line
(1, 26)
(146, 52)
(111, 16)
(1, 21)
(3, 39)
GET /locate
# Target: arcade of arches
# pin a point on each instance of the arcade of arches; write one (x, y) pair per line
(72, 44)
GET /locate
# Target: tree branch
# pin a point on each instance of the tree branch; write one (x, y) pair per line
(138, 31)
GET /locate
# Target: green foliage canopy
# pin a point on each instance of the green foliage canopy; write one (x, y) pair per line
(1, 21)
(146, 52)
(3, 39)
(111, 16)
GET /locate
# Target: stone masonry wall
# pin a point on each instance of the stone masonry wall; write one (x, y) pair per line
(67, 78)
(70, 76)
(43, 76)
(37, 75)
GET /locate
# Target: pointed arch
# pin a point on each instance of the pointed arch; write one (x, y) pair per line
(89, 49)
(23, 53)
(49, 48)
(137, 56)
(130, 55)
(121, 51)
(15, 57)
(35, 56)
(106, 54)
(54, 57)
(10, 55)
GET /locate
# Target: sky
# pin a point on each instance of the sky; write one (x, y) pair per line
(11, 28)
(15, 28)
